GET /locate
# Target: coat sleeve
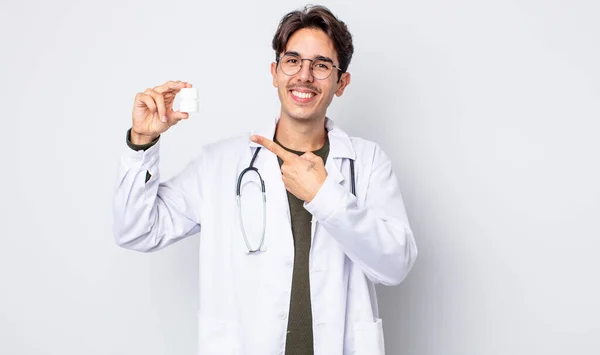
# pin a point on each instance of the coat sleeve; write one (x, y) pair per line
(149, 215)
(376, 236)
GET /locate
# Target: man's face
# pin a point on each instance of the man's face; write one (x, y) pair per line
(302, 96)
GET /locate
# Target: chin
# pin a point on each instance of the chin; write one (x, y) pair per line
(302, 113)
(303, 116)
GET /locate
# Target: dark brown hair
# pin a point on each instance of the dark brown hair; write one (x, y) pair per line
(321, 18)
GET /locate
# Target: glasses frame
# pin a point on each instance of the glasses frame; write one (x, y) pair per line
(278, 60)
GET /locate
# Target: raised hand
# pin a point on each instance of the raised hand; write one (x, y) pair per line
(153, 111)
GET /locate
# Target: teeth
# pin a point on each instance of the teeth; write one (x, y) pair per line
(303, 95)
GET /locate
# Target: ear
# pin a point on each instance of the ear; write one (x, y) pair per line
(274, 73)
(344, 81)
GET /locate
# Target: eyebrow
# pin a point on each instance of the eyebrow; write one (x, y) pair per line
(318, 57)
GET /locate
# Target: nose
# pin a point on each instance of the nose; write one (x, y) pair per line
(305, 73)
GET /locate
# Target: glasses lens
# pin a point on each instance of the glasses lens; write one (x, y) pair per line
(321, 69)
(290, 64)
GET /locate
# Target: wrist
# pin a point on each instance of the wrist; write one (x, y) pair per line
(313, 193)
(140, 139)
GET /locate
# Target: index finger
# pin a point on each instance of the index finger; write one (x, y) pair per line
(172, 86)
(273, 147)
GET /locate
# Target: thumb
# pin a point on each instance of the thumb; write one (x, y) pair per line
(178, 115)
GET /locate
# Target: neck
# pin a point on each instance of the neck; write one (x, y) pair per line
(301, 136)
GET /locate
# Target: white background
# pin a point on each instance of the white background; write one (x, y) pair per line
(489, 111)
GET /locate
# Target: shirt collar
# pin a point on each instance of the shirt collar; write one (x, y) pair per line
(340, 145)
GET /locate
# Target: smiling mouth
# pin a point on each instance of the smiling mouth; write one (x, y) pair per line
(302, 96)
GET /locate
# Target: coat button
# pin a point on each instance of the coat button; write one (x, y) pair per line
(282, 315)
(289, 263)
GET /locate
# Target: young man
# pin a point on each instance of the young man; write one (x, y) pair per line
(294, 273)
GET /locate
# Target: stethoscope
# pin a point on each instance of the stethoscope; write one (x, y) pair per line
(264, 199)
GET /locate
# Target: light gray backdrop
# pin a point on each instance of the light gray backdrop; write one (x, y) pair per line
(489, 110)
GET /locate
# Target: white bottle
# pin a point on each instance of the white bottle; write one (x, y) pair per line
(189, 100)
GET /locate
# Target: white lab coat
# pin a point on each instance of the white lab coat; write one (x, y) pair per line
(244, 298)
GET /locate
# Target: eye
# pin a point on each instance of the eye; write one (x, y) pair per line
(322, 65)
(291, 59)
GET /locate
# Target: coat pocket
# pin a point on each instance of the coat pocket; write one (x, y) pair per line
(215, 337)
(368, 338)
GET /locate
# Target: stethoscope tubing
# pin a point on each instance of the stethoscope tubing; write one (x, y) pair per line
(264, 198)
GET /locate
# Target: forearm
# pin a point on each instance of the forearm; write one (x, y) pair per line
(382, 244)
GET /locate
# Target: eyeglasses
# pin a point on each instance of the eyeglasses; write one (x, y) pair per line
(320, 68)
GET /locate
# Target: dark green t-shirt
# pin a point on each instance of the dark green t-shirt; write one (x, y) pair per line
(300, 333)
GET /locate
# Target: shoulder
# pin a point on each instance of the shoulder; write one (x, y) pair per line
(361, 144)
(368, 150)
(364, 150)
